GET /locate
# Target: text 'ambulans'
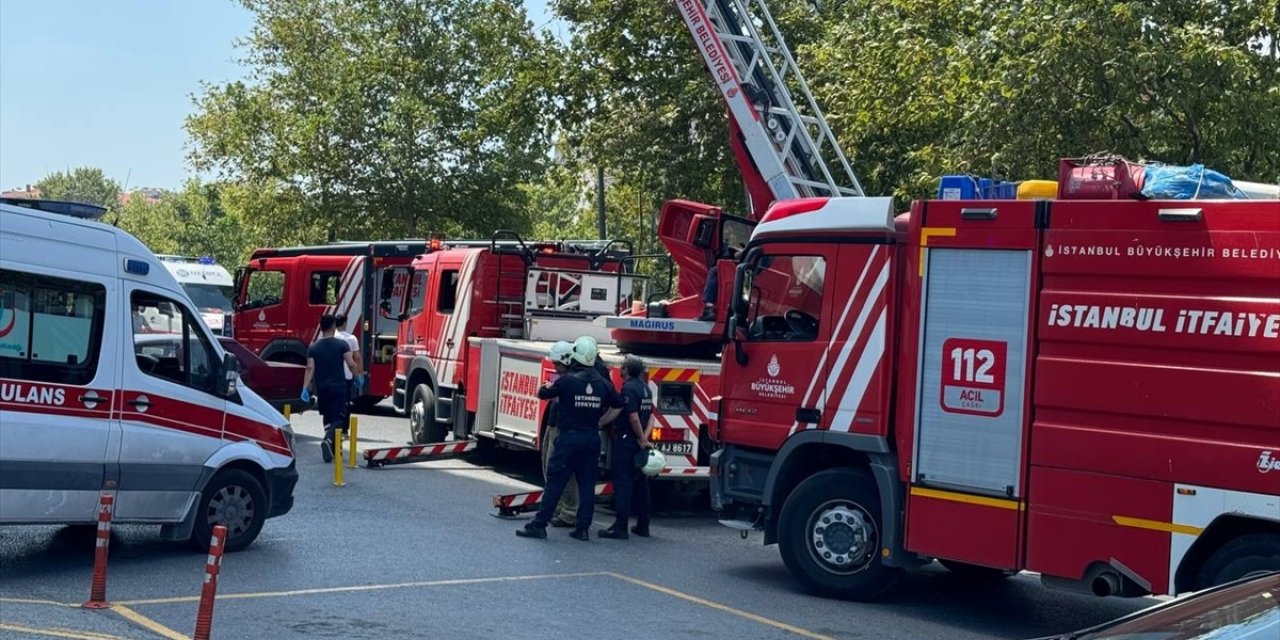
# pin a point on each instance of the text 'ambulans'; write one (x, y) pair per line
(30, 394)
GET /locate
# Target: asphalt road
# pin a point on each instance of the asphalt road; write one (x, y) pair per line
(413, 552)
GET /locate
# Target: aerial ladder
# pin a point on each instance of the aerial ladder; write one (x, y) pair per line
(783, 147)
(781, 138)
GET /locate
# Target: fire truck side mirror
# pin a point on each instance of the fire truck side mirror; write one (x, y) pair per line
(388, 286)
(237, 299)
(230, 373)
(739, 336)
(704, 232)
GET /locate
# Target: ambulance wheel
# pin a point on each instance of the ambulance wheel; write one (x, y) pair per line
(829, 536)
(235, 500)
(1244, 557)
(423, 427)
(975, 573)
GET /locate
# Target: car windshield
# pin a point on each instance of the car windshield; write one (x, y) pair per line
(208, 296)
(1245, 611)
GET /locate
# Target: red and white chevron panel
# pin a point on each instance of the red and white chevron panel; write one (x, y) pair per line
(685, 472)
(416, 453)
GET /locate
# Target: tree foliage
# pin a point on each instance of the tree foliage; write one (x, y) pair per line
(917, 88)
(379, 119)
(82, 184)
(632, 96)
(194, 221)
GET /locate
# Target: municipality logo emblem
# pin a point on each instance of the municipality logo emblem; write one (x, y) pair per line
(1048, 251)
(773, 368)
(589, 388)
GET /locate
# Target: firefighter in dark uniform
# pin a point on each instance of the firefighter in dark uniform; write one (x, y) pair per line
(586, 404)
(630, 437)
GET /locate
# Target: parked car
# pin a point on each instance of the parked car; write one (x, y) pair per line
(1246, 609)
(276, 382)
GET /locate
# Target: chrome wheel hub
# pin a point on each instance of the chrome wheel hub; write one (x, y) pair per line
(842, 537)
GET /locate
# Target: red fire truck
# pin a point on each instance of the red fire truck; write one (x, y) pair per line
(479, 319)
(1086, 389)
(281, 294)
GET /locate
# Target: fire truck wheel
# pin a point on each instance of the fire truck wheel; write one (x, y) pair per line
(423, 427)
(975, 573)
(1246, 556)
(829, 536)
(235, 500)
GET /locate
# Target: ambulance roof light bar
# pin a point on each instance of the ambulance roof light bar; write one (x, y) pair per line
(74, 209)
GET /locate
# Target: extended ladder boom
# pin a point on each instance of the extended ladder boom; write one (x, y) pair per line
(785, 142)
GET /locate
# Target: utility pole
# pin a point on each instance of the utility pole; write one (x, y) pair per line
(600, 201)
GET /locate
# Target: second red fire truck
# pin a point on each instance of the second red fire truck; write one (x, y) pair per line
(479, 319)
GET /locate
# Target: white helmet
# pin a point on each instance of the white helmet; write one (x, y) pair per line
(561, 353)
(654, 461)
(585, 351)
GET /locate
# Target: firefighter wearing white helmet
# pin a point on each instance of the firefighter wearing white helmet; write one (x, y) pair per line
(587, 403)
(630, 442)
(561, 355)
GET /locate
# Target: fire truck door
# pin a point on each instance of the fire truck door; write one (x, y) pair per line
(965, 500)
(777, 387)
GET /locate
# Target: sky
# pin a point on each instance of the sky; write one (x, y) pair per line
(109, 84)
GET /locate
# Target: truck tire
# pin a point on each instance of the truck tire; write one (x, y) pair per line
(829, 536)
(974, 572)
(235, 500)
(1246, 556)
(423, 427)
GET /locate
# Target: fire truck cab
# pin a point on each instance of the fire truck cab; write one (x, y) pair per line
(1085, 389)
(478, 322)
(281, 294)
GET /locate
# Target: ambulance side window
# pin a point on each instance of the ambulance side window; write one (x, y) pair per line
(50, 328)
(786, 302)
(183, 356)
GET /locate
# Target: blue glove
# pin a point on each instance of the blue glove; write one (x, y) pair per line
(306, 395)
(361, 381)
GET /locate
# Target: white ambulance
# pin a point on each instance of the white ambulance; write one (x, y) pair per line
(88, 406)
(207, 283)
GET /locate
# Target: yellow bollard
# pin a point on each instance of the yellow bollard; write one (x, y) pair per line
(337, 459)
(355, 428)
(288, 412)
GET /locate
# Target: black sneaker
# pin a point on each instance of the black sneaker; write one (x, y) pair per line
(561, 524)
(532, 530)
(326, 450)
(579, 534)
(613, 534)
(643, 532)
(708, 315)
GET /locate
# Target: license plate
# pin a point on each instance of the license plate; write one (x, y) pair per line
(677, 448)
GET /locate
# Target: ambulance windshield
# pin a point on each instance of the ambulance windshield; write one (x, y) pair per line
(209, 297)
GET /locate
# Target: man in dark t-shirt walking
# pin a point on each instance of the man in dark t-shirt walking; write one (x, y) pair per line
(325, 360)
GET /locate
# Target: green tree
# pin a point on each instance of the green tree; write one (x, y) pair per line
(381, 119)
(919, 88)
(82, 184)
(632, 96)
